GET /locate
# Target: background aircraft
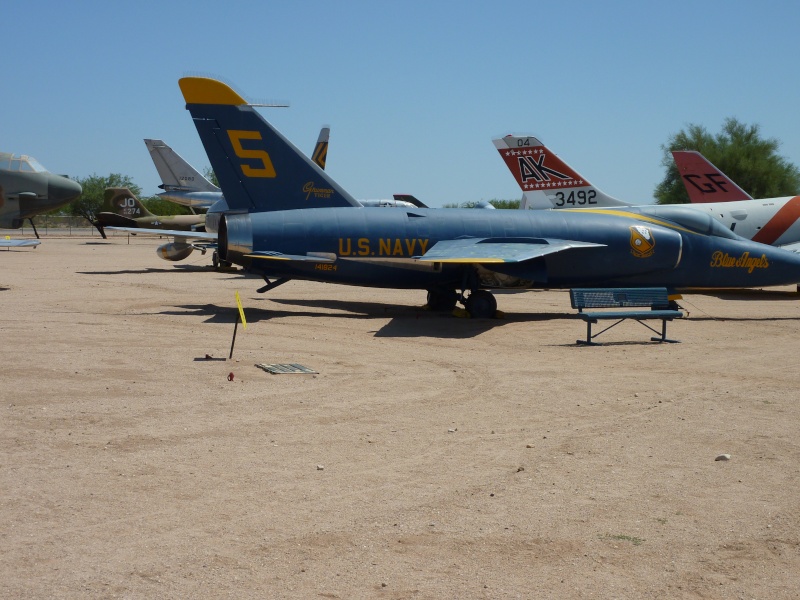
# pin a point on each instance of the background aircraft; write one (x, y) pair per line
(545, 180)
(8, 242)
(289, 219)
(774, 221)
(121, 208)
(122, 211)
(28, 189)
(553, 184)
(181, 182)
(703, 181)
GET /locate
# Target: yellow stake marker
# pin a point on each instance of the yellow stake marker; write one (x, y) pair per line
(241, 310)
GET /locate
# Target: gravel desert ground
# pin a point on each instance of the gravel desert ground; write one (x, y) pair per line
(430, 457)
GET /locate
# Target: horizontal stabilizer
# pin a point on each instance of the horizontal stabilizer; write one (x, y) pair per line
(498, 250)
(107, 219)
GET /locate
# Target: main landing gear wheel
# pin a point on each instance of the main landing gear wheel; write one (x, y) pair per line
(442, 300)
(481, 304)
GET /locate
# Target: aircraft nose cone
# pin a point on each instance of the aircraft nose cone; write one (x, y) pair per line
(62, 190)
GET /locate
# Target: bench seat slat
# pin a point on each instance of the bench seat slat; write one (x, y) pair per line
(618, 297)
(632, 314)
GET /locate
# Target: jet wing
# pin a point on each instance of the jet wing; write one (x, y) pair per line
(8, 243)
(794, 247)
(270, 255)
(498, 250)
(192, 235)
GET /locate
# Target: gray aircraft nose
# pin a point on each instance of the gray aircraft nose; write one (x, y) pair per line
(61, 190)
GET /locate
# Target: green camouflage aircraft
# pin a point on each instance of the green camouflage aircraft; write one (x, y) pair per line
(123, 211)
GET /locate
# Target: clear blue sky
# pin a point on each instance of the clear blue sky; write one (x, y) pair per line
(413, 91)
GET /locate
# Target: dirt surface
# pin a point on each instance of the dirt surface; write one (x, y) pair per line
(431, 457)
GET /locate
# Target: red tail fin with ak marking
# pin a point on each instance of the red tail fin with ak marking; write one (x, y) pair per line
(546, 180)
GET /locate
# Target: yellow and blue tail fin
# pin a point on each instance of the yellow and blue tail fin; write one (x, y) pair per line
(258, 168)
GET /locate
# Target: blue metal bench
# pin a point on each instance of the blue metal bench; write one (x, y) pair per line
(655, 299)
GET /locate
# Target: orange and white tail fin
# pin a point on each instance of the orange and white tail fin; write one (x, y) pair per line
(545, 179)
(704, 182)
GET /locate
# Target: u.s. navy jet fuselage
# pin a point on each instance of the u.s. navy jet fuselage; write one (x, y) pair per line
(28, 189)
(289, 219)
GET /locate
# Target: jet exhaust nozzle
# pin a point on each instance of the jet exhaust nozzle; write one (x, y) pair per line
(235, 237)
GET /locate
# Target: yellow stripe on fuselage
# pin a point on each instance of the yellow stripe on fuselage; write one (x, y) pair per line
(262, 256)
(630, 215)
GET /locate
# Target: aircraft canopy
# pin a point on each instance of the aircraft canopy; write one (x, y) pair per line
(21, 163)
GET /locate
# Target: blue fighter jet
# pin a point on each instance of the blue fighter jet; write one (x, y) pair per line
(289, 219)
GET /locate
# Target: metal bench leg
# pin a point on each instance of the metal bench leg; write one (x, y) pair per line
(588, 341)
(663, 337)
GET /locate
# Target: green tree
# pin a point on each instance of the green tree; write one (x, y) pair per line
(740, 152)
(209, 174)
(514, 204)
